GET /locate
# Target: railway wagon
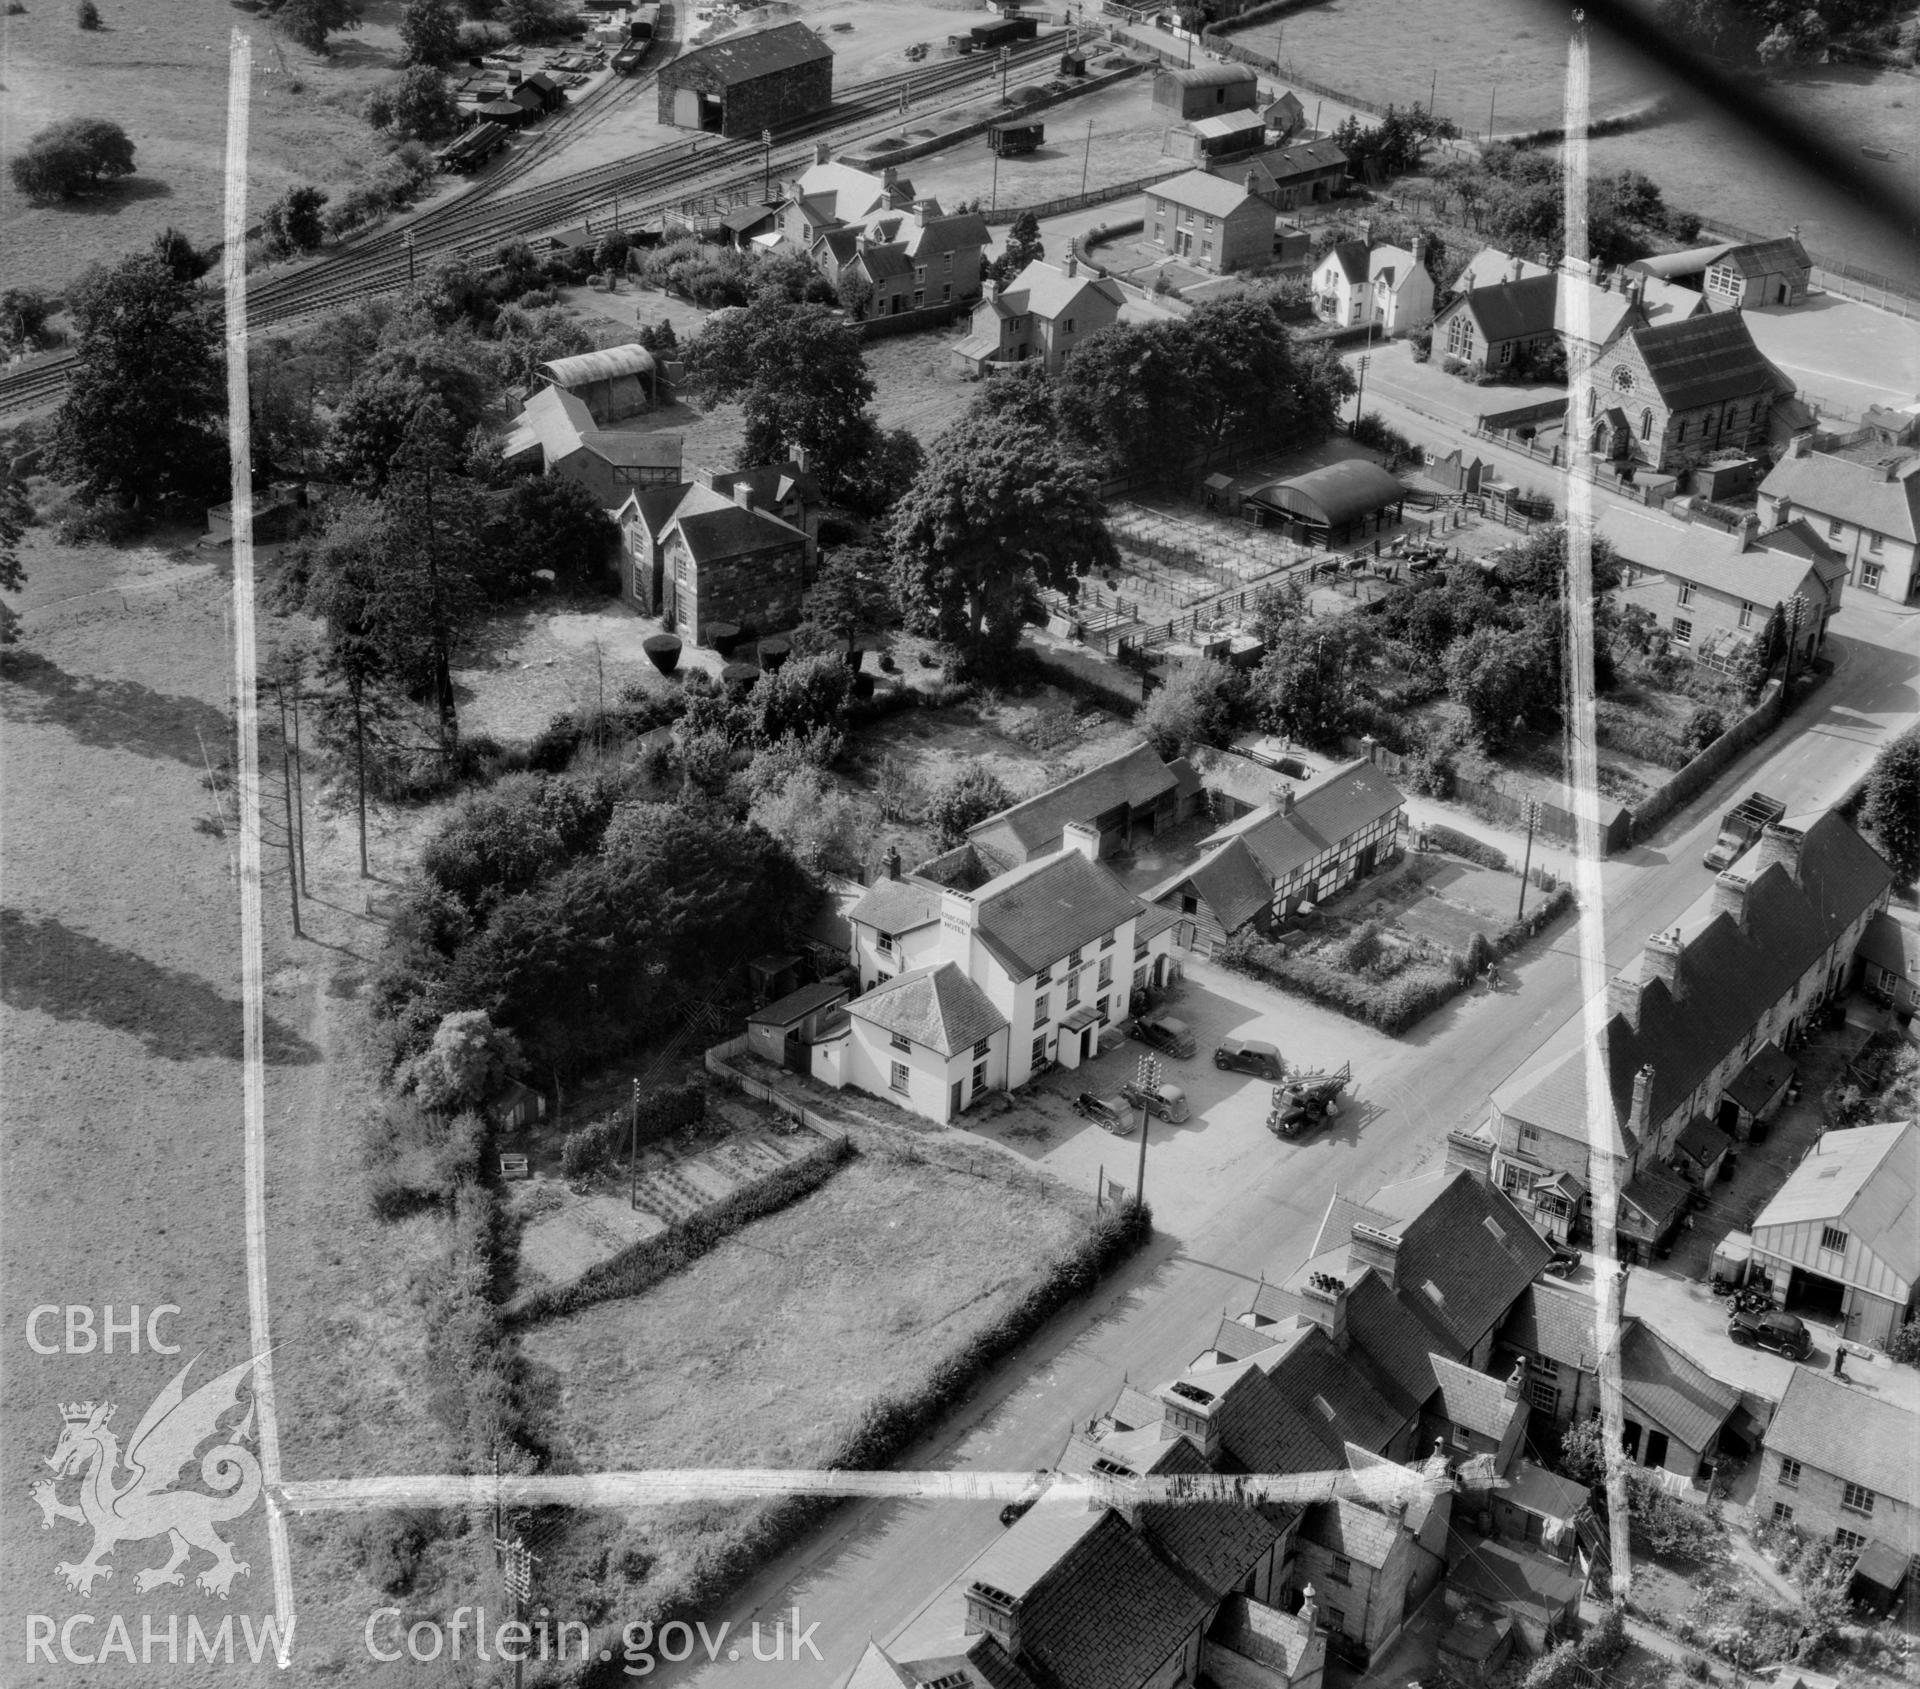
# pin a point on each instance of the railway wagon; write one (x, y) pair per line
(987, 36)
(643, 23)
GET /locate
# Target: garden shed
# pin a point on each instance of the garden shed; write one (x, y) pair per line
(1330, 505)
(784, 1031)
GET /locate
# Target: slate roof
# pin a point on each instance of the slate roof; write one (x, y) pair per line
(1849, 1432)
(1730, 974)
(654, 505)
(1662, 1385)
(745, 58)
(938, 1008)
(1300, 1407)
(1216, 1542)
(1109, 1612)
(1706, 360)
(1490, 265)
(1400, 1348)
(1228, 881)
(1525, 1584)
(1449, 1246)
(1864, 1179)
(885, 262)
(1555, 1323)
(1764, 257)
(1237, 1341)
(772, 483)
(1474, 1401)
(1511, 310)
(1657, 1197)
(797, 1005)
(552, 419)
(1767, 573)
(1702, 1141)
(1759, 1082)
(938, 234)
(1280, 165)
(1351, 1529)
(1351, 256)
(1136, 777)
(1030, 1548)
(1321, 819)
(975, 1662)
(1212, 196)
(1534, 1489)
(1047, 291)
(716, 527)
(1893, 945)
(1034, 915)
(1228, 124)
(1852, 491)
(896, 906)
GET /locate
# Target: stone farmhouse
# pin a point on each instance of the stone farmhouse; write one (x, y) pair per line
(1843, 1233)
(1710, 1000)
(1043, 313)
(1261, 868)
(1209, 222)
(746, 84)
(1864, 494)
(1356, 285)
(695, 556)
(1839, 1465)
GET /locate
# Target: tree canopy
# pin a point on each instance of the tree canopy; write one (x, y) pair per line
(1891, 808)
(430, 31)
(999, 508)
(71, 157)
(310, 22)
(418, 104)
(142, 420)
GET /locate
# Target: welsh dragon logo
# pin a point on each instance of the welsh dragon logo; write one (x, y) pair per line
(126, 1498)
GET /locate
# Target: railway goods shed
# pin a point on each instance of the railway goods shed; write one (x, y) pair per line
(749, 83)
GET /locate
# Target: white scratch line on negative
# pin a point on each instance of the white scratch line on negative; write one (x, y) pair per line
(253, 1010)
(1379, 1482)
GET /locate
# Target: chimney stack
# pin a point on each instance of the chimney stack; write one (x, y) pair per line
(1283, 800)
(995, 1612)
(1519, 267)
(1326, 1305)
(1516, 1381)
(957, 913)
(1073, 263)
(893, 862)
(1078, 835)
(1781, 846)
(1639, 1117)
(1368, 1246)
(822, 152)
(1730, 895)
(743, 494)
(1623, 997)
(1663, 959)
(1309, 1607)
(1469, 1153)
(889, 175)
(1749, 530)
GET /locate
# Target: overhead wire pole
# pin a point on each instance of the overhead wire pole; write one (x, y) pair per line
(1605, 1145)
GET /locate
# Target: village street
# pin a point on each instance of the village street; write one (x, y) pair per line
(877, 1569)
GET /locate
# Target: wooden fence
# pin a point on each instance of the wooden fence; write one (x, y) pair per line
(1079, 202)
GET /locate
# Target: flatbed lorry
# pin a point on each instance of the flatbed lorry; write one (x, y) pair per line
(1743, 823)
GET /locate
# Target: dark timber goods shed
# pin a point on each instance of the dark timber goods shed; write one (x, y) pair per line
(748, 83)
(1327, 506)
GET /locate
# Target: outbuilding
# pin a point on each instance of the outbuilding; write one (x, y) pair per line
(1205, 90)
(612, 383)
(785, 1031)
(749, 83)
(1329, 505)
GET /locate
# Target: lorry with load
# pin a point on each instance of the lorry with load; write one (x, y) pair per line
(1742, 825)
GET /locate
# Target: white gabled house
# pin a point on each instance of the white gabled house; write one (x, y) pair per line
(1050, 953)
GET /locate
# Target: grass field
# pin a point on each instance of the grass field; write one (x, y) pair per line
(158, 68)
(766, 1351)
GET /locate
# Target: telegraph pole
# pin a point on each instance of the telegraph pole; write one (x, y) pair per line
(766, 164)
(1149, 1083)
(1533, 818)
(1086, 163)
(633, 1149)
(1490, 100)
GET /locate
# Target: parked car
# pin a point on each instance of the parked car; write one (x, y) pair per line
(1020, 1505)
(1769, 1328)
(1163, 1033)
(1562, 1263)
(1113, 1113)
(1166, 1102)
(1245, 1055)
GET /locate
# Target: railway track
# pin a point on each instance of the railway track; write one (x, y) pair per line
(641, 186)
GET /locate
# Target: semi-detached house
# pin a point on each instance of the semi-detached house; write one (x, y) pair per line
(1864, 495)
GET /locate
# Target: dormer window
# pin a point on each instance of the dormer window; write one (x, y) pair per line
(884, 943)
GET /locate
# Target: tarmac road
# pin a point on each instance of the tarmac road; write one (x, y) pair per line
(878, 1569)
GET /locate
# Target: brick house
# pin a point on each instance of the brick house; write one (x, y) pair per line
(1838, 1464)
(1669, 395)
(1263, 866)
(1863, 493)
(694, 557)
(1840, 1233)
(1208, 222)
(1743, 973)
(1043, 313)
(746, 84)
(1713, 592)
(832, 211)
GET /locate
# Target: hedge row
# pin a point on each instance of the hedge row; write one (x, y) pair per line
(1465, 845)
(891, 1424)
(652, 1259)
(431, 1174)
(661, 1114)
